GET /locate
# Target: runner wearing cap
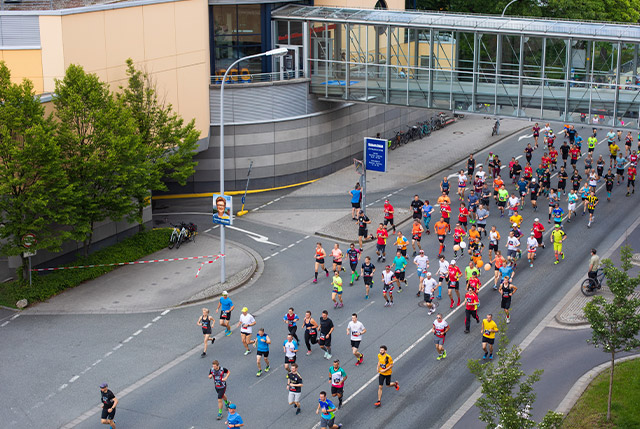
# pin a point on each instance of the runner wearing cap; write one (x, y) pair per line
(422, 263)
(233, 419)
(245, 324)
(538, 229)
(388, 278)
(532, 246)
(428, 285)
(225, 307)
(109, 403)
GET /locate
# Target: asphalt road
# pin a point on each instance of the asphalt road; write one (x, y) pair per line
(47, 352)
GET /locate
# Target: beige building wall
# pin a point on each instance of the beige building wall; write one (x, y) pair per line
(170, 41)
(24, 64)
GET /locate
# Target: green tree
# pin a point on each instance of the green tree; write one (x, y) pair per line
(615, 325)
(168, 145)
(35, 193)
(506, 398)
(99, 143)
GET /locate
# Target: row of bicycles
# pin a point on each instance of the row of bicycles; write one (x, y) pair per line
(182, 233)
(421, 129)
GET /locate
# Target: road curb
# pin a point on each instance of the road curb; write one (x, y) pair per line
(583, 382)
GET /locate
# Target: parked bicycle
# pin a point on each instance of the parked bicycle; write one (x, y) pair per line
(591, 285)
(182, 233)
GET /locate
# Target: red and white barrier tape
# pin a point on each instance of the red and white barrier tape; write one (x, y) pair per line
(129, 263)
(208, 262)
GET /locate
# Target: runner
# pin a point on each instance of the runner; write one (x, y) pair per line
(429, 286)
(337, 256)
(388, 278)
(385, 369)
(572, 200)
(445, 211)
(262, 342)
(505, 271)
(516, 170)
(574, 153)
(485, 195)
(388, 215)
(513, 247)
(482, 216)
(402, 243)
(523, 190)
(294, 386)
(422, 263)
(205, 322)
(494, 239)
(557, 214)
(469, 272)
(445, 185)
(292, 319)
(219, 375)
(246, 328)
(613, 152)
(627, 143)
(473, 201)
(538, 229)
(458, 234)
(367, 269)
(463, 215)
(489, 329)
(608, 183)
(290, 348)
(337, 377)
(631, 180)
(440, 229)
(497, 183)
(328, 412)
(536, 134)
(363, 232)
(474, 282)
(620, 164)
(471, 165)
(592, 202)
(516, 218)
(443, 273)
(427, 211)
(336, 291)
(381, 243)
(109, 404)
(440, 329)
(532, 246)
(506, 291)
(591, 143)
(557, 237)
(553, 154)
(356, 329)
(310, 331)
(356, 198)
(503, 196)
(462, 184)
(481, 174)
(564, 151)
(354, 257)
(454, 281)
(534, 191)
(400, 264)
(225, 307)
(471, 308)
(326, 329)
(600, 167)
(320, 255)
(416, 235)
(416, 208)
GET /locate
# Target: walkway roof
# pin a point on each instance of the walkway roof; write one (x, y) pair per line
(464, 22)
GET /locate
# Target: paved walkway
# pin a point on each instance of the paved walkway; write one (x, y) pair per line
(157, 286)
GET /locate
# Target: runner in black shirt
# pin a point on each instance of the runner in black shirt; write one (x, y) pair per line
(516, 170)
(367, 271)
(206, 322)
(324, 338)
(416, 207)
(354, 256)
(471, 166)
(220, 375)
(576, 180)
(534, 189)
(294, 385)
(608, 182)
(564, 149)
(562, 180)
(363, 233)
(109, 403)
(528, 152)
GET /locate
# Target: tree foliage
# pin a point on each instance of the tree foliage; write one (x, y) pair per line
(506, 398)
(34, 189)
(167, 144)
(615, 325)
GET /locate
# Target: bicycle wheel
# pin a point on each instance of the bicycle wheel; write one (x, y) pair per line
(172, 240)
(588, 287)
(180, 240)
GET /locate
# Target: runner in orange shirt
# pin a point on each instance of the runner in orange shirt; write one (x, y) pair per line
(497, 183)
(441, 231)
(498, 262)
(416, 235)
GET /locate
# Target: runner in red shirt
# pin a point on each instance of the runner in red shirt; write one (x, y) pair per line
(546, 160)
(463, 215)
(458, 233)
(574, 153)
(445, 209)
(553, 154)
(474, 283)
(471, 310)
(631, 179)
(454, 284)
(528, 172)
(381, 245)
(538, 229)
(388, 215)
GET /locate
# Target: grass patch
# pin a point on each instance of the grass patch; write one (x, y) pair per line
(591, 409)
(48, 285)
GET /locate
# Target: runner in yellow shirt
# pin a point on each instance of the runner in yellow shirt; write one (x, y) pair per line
(336, 283)
(489, 329)
(557, 237)
(385, 369)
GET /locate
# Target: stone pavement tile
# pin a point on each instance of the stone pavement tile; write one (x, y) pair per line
(305, 221)
(148, 287)
(572, 313)
(346, 229)
(421, 158)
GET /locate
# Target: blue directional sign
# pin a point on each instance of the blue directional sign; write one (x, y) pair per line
(375, 154)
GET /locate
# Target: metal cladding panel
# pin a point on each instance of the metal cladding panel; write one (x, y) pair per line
(259, 103)
(19, 32)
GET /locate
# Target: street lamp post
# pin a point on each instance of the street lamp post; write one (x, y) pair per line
(275, 53)
(508, 4)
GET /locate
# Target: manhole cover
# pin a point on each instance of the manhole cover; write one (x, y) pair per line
(458, 132)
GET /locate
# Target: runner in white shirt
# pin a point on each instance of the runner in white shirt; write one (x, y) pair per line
(513, 203)
(532, 246)
(290, 348)
(481, 173)
(356, 329)
(429, 286)
(439, 329)
(494, 239)
(422, 263)
(512, 245)
(388, 278)
(246, 328)
(443, 274)
(593, 180)
(462, 184)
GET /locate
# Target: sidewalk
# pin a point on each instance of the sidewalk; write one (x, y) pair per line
(157, 286)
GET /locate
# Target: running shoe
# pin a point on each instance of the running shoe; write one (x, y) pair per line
(298, 411)
(485, 356)
(491, 356)
(309, 352)
(386, 304)
(267, 369)
(398, 385)
(377, 404)
(556, 262)
(439, 357)
(219, 416)
(418, 294)
(562, 255)
(203, 354)
(508, 319)
(329, 356)
(341, 305)
(259, 373)
(315, 281)
(335, 305)
(213, 340)
(444, 354)
(327, 273)
(430, 312)
(361, 358)
(366, 297)
(391, 304)
(228, 333)
(246, 352)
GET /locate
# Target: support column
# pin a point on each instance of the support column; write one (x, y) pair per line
(305, 49)
(542, 74)
(475, 66)
(617, 91)
(520, 73)
(387, 72)
(431, 65)
(498, 67)
(347, 69)
(567, 78)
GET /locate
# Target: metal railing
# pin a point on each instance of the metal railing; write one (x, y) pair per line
(51, 4)
(257, 77)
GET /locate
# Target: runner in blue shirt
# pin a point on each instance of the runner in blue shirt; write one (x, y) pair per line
(557, 214)
(225, 307)
(327, 420)
(356, 197)
(233, 418)
(505, 271)
(262, 342)
(427, 209)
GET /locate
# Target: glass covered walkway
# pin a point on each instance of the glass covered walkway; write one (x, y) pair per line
(531, 68)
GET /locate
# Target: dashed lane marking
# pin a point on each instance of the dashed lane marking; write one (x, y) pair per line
(165, 312)
(147, 325)
(138, 332)
(74, 378)
(266, 258)
(126, 340)
(155, 319)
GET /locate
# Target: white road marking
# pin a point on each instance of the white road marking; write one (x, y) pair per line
(96, 362)
(116, 347)
(138, 332)
(254, 236)
(267, 258)
(155, 319)
(4, 324)
(86, 370)
(274, 254)
(306, 236)
(291, 245)
(106, 355)
(126, 340)
(74, 378)
(146, 326)
(519, 156)
(64, 386)
(15, 316)
(208, 230)
(525, 137)
(165, 312)
(299, 241)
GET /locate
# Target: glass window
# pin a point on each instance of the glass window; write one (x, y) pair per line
(237, 33)
(249, 19)
(225, 19)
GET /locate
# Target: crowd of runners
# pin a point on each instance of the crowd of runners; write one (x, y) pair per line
(561, 184)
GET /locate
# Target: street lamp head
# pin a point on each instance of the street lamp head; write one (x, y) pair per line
(277, 52)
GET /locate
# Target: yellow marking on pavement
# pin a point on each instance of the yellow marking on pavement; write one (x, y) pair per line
(210, 194)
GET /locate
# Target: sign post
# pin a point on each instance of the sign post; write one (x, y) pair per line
(29, 240)
(375, 159)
